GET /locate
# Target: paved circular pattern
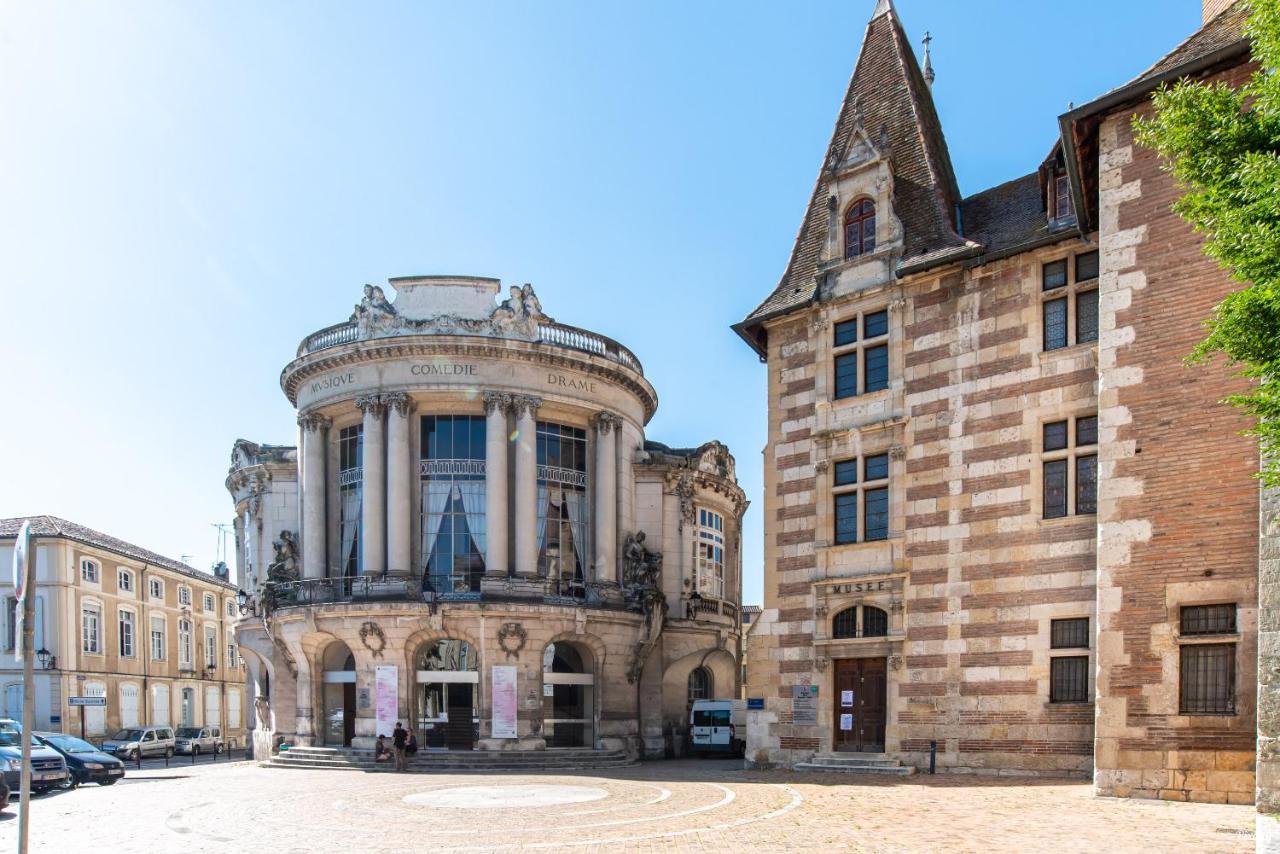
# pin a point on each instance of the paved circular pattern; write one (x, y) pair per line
(501, 797)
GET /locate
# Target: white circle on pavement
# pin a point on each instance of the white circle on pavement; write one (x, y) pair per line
(489, 797)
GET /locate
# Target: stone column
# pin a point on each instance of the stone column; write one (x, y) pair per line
(497, 560)
(399, 483)
(314, 428)
(525, 408)
(626, 488)
(373, 495)
(606, 426)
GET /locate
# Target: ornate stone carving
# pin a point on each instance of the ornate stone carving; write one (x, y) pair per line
(605, 422)
(898, 452)
(820, 664)
(371, 403)
(285, 565)
(895, 662)
(512, 638)
(368, 630)
(685, 490)
(821, 466)
(313, 422)
(496, 401)
(642, 571)
(517, 316)
(524, 403)
(400, 402)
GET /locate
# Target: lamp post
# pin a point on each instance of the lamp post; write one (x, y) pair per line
(242, 601)
(48, 661)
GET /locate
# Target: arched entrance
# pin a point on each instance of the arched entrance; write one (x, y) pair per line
(568, 695)
(448, 685)
(339, 688)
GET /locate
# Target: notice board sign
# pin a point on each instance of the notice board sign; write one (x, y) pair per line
(804, 705)
(384, 693)
(504, 701)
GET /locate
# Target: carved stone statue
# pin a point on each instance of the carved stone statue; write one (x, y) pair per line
(532, 307)
(641, 567)
(285, 565)
(642, 572)
(374, 313)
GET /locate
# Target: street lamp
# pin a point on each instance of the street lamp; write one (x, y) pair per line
(48, 660)
(242, 599)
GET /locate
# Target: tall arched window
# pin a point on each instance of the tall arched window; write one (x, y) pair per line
(875, 622)
(845, 624)
(700, 684)
(859, 228)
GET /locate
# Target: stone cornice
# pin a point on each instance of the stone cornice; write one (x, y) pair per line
(300, 369)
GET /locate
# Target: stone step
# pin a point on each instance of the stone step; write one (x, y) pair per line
(892, 769)
(362, 760)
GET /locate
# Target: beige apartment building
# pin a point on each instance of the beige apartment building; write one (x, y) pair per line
(152, 635)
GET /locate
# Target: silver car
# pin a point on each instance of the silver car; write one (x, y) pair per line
(137, 742)
(199, 739)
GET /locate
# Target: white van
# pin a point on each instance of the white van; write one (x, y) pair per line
(718, 726)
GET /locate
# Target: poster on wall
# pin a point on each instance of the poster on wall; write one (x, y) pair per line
(846, 722)
(504, 701)
(846, 698)
(385, 691)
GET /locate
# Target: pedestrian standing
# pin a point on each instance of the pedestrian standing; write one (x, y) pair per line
(399, 737)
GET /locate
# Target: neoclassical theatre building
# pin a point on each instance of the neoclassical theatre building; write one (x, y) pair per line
(474, 536)
(1003, 519)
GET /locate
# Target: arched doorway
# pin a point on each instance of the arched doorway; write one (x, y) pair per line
(339, 688)
(700, 684)
(568, 695)
(448, 685)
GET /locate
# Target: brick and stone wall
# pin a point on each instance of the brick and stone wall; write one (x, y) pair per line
(1178, 507)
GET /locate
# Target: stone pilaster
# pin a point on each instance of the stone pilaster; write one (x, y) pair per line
(1268, 769)
(524, 408)
(606, 427)
(373, 530)
(314, 430)
(399, 483)
(497, 559)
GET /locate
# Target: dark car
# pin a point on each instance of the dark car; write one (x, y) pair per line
(85, 763)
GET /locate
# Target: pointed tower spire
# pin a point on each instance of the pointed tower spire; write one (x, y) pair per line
(928, 61)
(882, 7)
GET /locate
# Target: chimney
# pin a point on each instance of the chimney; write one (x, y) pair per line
(1212, 8)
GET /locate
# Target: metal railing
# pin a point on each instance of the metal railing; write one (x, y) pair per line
(715, 607)
(557, 334)
(414, 588)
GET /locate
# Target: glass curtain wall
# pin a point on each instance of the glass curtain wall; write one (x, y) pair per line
(562, 507)
(453, 495)
(350, 458)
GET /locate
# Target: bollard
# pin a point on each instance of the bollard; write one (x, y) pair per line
(139, 759)
(193, 754)
(933, 757)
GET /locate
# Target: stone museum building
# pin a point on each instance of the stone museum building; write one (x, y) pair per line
(1002, 518)
(153, 636)
(473, 536)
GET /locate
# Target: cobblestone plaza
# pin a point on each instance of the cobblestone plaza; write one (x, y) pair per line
(684, 805)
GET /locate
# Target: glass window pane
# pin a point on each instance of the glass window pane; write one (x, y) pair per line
(1208, 620)
(875, 324)
(1055, 275)
(846, 472)
(877, 368)
(1055, 436)
(877, 467)
(1069, 679)
(846, 375)
(1086, 317)
(1087, 266)
(1055, 489)
(847, 518)
(1087, 484)
(845, 624)
(1071, 633)
(846, 332)
(1087, 430)
(868, 235)
(877, 510)
(875, 622)
(1055, 324)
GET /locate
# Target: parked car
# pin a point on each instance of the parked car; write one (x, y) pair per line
(138, 742)
(199, 739)
(718, 726)
(4, 794)
(48, 770)
(85, 763)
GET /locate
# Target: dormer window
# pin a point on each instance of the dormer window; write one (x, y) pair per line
(1062, 209)
(860, 229)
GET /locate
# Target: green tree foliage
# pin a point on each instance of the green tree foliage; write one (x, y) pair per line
(1222, 145)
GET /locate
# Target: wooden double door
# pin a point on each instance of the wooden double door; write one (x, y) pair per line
(859, 704)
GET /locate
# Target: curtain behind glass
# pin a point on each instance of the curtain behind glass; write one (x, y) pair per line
(435, 498)
(473, 495)
(576, 504)
(350, 522)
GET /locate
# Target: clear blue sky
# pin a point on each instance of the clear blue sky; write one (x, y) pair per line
(190, 188)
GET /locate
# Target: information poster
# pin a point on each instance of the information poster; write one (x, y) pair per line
(504, 701)
(846, 722)
(385, 690)
(846, 698)
(804, 705)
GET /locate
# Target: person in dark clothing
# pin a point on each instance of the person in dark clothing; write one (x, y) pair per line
(400, 738)
(412, 747)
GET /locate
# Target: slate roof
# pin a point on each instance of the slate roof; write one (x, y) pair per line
(889, 87)
(1225, 30)
(52, 526)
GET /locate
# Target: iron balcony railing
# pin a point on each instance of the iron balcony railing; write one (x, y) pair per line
(556, 334)
(413, 588)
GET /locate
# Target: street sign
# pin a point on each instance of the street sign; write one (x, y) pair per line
(21, 559)
(86, 701)
(755, 703)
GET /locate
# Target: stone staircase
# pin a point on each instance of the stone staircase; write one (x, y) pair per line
(856, 763)
(528, 761)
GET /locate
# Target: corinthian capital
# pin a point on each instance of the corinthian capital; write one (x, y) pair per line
(399, 401)
(605, 422)
(524, 403)
(371, 403)
(313, 422)
(496, 401)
